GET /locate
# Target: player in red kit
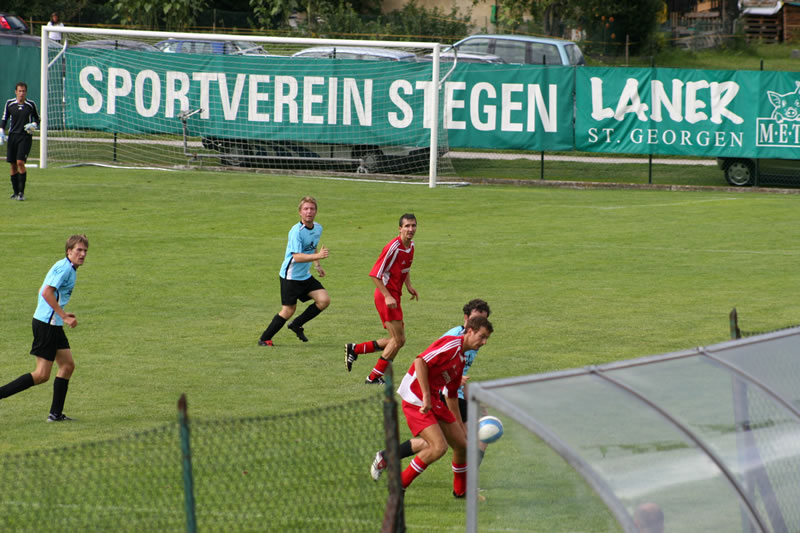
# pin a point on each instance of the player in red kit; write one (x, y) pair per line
(390, 273)
(437, 422)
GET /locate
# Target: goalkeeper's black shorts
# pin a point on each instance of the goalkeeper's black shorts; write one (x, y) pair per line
(19, 146)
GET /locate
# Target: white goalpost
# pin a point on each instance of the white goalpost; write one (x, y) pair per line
(191, 100)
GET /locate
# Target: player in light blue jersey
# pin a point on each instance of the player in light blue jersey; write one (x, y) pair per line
(50, 344)
(473, 308)
(297, 283)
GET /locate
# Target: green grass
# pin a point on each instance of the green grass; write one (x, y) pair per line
(593, 169)
(181, 278)
(734, 56)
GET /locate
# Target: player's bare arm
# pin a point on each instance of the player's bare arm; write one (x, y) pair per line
(49, 295)
(317, 264)
(421, 373)
(308, 258)
(391, 303)
(411, 290)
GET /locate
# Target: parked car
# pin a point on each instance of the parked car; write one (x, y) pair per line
(199, 46)
(525, 50)
(741, 172)
(12, 23)
(293, 154)
(20, 39)
(351, 52)
(117, 44)
(465, 57)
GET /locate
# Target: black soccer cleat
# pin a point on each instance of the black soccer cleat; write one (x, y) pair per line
(13, 196)
(298, 330)
(459, 496)
(376, 381)
(58, 418)
(265, 343)
(21, 197)
(350, 356)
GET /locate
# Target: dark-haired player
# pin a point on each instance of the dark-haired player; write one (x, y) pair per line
(436, 419)
(50, 344)
(390, 273)
(20, 120)
(473, 308)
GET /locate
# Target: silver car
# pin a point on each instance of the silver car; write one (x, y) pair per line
(525, 50)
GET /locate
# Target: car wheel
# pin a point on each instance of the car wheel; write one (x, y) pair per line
(740, 173)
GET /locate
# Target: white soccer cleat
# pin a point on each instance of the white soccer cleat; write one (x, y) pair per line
(378, 466)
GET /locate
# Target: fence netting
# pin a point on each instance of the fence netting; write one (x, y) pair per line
(306, 471)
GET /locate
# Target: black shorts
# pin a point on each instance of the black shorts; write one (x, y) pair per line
(19, 146)
(462, 406)
(47, 340)
(293, 290)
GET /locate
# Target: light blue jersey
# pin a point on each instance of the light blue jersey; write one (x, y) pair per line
(301, 241)
(469, 355)
(62, 278)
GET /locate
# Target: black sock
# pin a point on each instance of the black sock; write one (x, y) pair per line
(274, 327)
(23, 382)
(22, 178)
(404, 450)
(310, 312)
(15, 183)
(376, 346)
(60, 386)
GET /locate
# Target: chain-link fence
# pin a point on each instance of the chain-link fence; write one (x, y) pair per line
(737, 333)
(306, 471)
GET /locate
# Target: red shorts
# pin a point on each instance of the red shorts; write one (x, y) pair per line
(417, 421)
(386, 314)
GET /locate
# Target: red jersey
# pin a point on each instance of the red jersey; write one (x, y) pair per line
(393, 265)
(445, 360)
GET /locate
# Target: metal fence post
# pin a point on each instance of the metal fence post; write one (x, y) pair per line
(393, 518)
(188, 483)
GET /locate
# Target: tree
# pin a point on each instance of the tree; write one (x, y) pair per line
(635, 18)
(153, 14)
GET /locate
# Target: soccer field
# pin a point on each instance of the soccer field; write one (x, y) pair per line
(182, 276)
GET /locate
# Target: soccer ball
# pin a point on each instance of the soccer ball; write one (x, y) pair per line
(489, 429)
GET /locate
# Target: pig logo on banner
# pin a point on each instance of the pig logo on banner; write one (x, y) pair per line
(787, 106)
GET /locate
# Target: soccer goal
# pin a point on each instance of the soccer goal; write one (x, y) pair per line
(170, 99)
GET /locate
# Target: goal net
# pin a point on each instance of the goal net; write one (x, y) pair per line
(181, 99)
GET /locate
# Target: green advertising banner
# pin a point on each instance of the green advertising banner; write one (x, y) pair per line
(688, 112)
(318, 100)
(248, 97)
(510, 107)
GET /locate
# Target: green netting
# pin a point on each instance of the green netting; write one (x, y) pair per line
(306, 471)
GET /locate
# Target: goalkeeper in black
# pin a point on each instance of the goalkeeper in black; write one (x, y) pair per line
(20, 120)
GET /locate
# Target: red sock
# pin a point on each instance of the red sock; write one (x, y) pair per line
(380, 368)
(365, 347)
(414, 468)
(459, 478)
